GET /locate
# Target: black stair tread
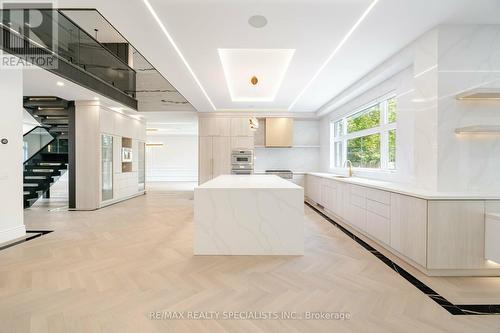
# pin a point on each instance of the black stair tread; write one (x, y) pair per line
(51, 112)
(54, 121)
(40, 167)
(46, 172)
(36, 181)
(46, 163)
(30, 196)
(45, 102)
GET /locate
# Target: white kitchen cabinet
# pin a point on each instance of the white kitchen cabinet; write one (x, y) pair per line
(378, 214)
(214, 126)
(356, 208)
(408, 233)
(242, 142)
(456, 235)
(205, 157)
(313, 188)
(241, 127)
(491, 233)
(214, 157)
(438, 236)
(221, 156)
(378, 226)
(218, 136)
(326, 193)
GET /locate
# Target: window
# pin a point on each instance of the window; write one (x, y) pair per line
(364, 120)
(391, 110)
(364, 151)
(367, 137)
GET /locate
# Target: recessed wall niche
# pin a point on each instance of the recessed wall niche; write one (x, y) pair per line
(127, 156)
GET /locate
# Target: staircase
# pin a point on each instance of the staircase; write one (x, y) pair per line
(46, 147)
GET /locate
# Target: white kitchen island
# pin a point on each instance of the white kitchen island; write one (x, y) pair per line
(249, 215)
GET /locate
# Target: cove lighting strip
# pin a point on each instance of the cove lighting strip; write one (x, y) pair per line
(330, 57)
(179, 53)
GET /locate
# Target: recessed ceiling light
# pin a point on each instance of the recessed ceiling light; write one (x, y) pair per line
(60, 83)
(254, 80)
(257, 21)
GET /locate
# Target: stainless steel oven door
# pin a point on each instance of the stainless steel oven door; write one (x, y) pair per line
(241, 159)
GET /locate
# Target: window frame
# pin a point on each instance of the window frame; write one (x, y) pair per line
(383, 129)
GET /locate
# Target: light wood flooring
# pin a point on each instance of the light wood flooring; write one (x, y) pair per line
(105, 271)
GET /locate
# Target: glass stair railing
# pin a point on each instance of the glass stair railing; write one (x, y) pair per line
(49, 39)
(35, 141)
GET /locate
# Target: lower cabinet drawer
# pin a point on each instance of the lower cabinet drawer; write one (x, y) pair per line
(378, 227)
(378, 208)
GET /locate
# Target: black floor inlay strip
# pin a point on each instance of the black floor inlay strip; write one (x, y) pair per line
(30, 234)
(454, 309)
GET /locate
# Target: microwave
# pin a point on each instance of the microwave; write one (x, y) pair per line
(242, 157)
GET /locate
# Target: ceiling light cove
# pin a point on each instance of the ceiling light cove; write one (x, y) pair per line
(267, 66)
(334, 52)
(179, 53)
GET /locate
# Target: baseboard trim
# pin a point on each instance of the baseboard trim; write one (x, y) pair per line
(11, 234)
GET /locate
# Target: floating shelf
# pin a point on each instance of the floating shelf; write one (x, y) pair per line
(480, 94)
(478, 129)
(264, 147)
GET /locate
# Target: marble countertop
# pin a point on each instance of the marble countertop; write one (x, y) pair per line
(409, 190)
(249, 182)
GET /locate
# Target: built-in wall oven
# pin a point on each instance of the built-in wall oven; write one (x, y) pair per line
(242, 162)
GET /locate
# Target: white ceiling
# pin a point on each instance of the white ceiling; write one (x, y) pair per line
(268, 66)
(314, 28)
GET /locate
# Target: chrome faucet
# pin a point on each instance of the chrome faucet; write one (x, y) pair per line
(350, 166)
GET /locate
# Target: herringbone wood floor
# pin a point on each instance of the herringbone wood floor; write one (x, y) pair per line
(104, 271)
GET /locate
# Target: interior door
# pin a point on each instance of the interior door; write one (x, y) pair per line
(205, 165)
(221, 156)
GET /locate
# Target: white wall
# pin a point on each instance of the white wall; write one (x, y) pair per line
(438, 66)
(469, 57)
(176, 160)
(11, 177)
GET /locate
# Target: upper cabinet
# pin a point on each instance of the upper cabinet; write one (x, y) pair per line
(214, 126)
(222, 126)
(279, 132)
(241, 127)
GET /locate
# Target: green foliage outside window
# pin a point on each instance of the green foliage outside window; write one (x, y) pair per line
(392, 150)
(366, 119)
(391, 110)
(364, 152)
